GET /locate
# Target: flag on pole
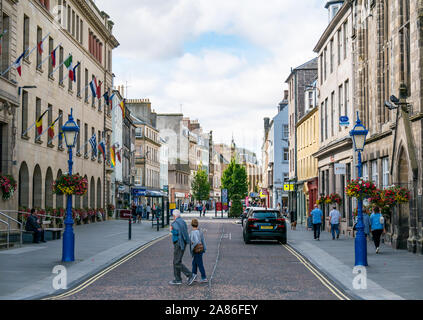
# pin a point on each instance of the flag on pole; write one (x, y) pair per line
(111, 100)
(113, 156)
(51, 128)
(106, 97)
(122, 107)
(99, 90)
(74, 71)
(118, 155)
(102, 149)
(93, 143)
(53, 58)
(39, 123)
(18, 63)
(68, 65)
(40, 47)
(93, 87)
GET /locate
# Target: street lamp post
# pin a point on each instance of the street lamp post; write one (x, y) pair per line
(358, 135)
(70, 131)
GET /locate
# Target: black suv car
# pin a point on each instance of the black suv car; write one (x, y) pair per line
(262, 223)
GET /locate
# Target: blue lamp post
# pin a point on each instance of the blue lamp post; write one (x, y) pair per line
(70, 131)
(358, 135)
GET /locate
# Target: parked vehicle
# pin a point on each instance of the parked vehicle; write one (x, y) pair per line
(244, 215)
(262, 223)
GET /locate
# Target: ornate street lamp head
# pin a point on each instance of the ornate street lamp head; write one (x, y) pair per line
(358, 135)
(70, 131)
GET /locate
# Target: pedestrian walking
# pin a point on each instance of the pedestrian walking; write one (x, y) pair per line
(204, 210)
(139, 213)
(334, 222)
(377, 226)
(293, 218)
(200, 208)
(198, 248)
(148, 209)
(154, 211)
(134, 212)
(317, 216)
(180, 239)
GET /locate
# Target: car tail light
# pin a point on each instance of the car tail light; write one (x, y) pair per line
(252, 219)
(280, 220)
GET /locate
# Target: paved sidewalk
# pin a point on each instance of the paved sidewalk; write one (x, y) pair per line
(26, 272)
(391, 274)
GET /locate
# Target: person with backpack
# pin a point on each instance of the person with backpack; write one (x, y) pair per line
(198, 247)
(180, 239)
(139, 212)
(377, 226)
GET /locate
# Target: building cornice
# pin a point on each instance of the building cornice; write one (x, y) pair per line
(333, 146)
(332, 25)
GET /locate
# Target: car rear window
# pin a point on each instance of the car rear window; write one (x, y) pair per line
(265, 214)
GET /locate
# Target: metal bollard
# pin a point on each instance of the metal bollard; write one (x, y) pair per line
(130, 228)
(158, 226)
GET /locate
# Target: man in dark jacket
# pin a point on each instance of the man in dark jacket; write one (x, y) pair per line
(33, 225)
(180, 239)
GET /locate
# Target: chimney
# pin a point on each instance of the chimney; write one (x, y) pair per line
(266, 124)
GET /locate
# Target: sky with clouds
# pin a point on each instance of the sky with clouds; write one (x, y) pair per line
(223, 62)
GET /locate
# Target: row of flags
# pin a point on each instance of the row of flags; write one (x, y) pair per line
(101, 147)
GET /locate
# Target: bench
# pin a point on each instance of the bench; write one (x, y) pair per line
(28, 236)
(53, 233)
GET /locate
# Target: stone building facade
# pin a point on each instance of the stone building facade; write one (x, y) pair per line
(75, 27)
(387, 44)
(335, 100)
(298, 80)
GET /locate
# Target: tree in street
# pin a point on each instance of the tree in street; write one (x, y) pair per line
(200, 185)
(236, 181)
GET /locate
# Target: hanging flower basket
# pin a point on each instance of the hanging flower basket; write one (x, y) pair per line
(402, 195)
(360, 189)
(330, 199)
(7, 186)
(70, 185)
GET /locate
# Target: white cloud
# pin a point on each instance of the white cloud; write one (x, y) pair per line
(227, 91)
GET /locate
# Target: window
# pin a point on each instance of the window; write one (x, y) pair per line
(86, 140)
(50, 119)
(365, 172)
(340, 45)
(405, 45)
(347, 97)
(4, 42)
(60, 136)
(73, 23)
(61, 65)
(86, 85)
(285, 131)
(78, 81)
(322, 123)
(25, 34)
(69, 21)
(345, 39)
(77, 28)
(332, 113)
(385, 172)
(81, 32)
(92, 150)
(332, 58)
(78, 138)
(375, 173)
(310, 100)
(326, 118)
(37, 114)
(340, 103)
(325, 62)
(50, 49)
(285, 155)
(24, 111)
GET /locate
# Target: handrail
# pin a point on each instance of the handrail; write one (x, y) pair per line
(19, 223)
(8, 232)
(28, 213)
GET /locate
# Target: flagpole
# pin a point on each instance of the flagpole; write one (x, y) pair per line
(32, 126)
(58, 66)
(10, 67)
(42, 62)
(84, 89)
(49, 127)
(37, 46)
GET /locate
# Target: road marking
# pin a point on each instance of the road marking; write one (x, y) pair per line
(102, 273)
(318, 275)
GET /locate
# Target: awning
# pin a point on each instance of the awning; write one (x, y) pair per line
(142, 192)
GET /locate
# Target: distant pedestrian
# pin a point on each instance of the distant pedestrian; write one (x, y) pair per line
(204, 210)
(377, 225)
(198, 248)
(200, 208)
(134, 212)
(154, 211)
(334, 222)
(180, 239)
(317, 216)
(139, 212)
(148, 209)
(293, 218)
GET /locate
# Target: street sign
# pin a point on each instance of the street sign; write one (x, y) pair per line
(218, 206)
(340, 169)
(172, 206)
(225, 196)
(344, 121)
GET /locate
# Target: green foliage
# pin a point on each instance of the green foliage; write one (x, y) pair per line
(200, 185)
(236, 181)
(236, 208)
